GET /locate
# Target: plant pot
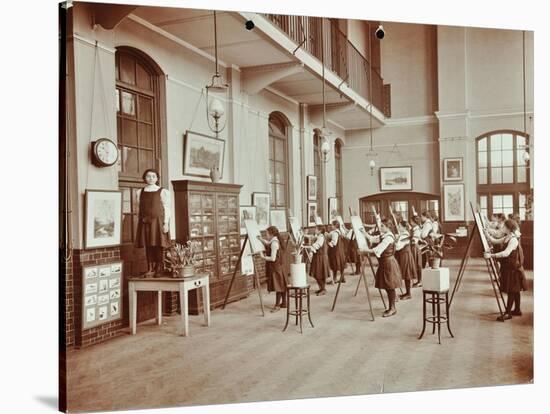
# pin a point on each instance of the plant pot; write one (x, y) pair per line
(298, 277)
(187, 271)
(297, 258)
(436, 262)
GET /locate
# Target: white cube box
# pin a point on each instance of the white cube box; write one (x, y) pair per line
(298, 277)
(435, 279)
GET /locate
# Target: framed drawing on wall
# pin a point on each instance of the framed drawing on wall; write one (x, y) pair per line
(396, 178)
(278, 219)
(103, 218)
(453, 202)
(452, 169)
(261, 202)
(311, 213)
(247, 213)
(311, 187)
(201, 153)
(332, 209)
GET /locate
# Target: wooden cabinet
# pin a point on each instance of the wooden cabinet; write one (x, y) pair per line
(208, 214)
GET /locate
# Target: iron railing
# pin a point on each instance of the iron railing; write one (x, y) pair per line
(341, 56)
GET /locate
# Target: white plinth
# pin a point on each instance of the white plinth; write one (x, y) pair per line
(298, 276)
(435, 279)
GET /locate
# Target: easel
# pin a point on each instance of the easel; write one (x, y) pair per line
(491, 269)
(256, 277)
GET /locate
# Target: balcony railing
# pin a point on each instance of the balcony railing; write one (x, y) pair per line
(341, 56)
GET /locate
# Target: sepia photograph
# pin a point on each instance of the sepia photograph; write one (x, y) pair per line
(402, 152)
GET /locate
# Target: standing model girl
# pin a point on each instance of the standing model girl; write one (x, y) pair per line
(337, 252)
(415, 246)
(153, 222)
(274, 266)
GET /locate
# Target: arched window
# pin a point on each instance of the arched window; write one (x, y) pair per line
(318, 172)
(138, 104)
(338, 175)
(278, 161)
(502, 172)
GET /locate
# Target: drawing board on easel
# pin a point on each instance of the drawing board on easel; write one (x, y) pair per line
(253, 232)
(294, 228)
(481, 230)
(358, 229)
(341, 222)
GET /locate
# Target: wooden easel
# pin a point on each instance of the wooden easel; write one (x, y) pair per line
(491, 269)
(256, 277)
(356, 290)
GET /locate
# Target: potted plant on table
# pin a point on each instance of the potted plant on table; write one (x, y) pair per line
(434, 247)
(179, 259)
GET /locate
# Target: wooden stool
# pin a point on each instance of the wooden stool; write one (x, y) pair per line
(436, 318)
(298, 293)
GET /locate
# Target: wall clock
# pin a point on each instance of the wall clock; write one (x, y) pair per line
(104, 152)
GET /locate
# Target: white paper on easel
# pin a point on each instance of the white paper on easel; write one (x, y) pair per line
(253, 233)
(479, 225)
(341, 222)
(358, 228)
(294, 227)
(247, 261)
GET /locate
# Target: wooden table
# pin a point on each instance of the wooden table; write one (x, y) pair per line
(169, 284)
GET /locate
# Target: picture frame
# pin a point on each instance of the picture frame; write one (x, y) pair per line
(453, 202)
(246, 213)
(396, 178)
(453, 169)
(311, 213)
(102, 218)
(311, 187)
(332, 211)
(277, 218)
(202, 152)
(260, 200)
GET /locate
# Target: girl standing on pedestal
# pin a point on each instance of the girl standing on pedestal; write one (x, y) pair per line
(319, 268)
(274, 267)
(153, 222)
(388, 274)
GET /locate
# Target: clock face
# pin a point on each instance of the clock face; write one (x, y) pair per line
(106, 152)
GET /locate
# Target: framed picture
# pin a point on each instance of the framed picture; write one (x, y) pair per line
(311, 187)
(395, 178)
(201, 153)
(247, 213)
(278, 219)
(452, 169)
(103, 218)
(453, 202)
(311, 213)
(332, 209)
(261, 202)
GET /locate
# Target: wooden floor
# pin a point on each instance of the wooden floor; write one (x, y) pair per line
(246, 357)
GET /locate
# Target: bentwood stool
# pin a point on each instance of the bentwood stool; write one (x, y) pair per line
(435, 298)
(298, 293)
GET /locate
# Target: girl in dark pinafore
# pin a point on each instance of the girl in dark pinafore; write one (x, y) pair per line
(153, 222)
(388, 274)
(512, 274)
(274, 266)
(319, 268)
(337, 253)
(405, 258)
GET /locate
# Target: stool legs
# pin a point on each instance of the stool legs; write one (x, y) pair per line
(433, 312)
(423, 315)
(448, 315)
(438, 319)
(309, 309)
(299, 312)
(287, 293)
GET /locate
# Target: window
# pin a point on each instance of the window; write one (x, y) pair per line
(502, 173)
(137, 97)
(400, 209)
(431, 206)
(318, 172)
(278, 162)
(338, 174)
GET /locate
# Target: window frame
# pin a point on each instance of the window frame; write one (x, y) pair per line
(278, 120)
